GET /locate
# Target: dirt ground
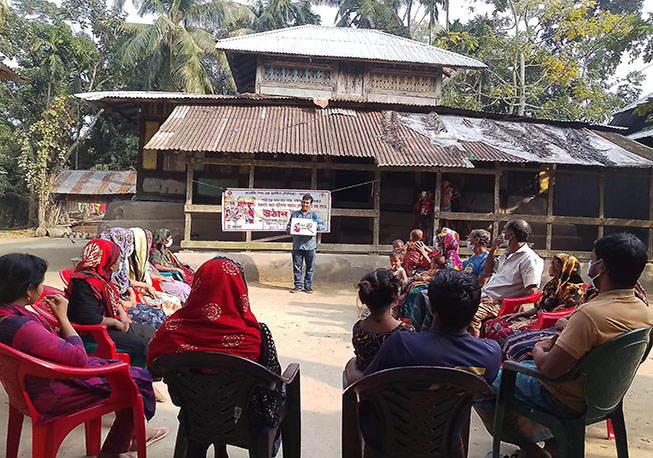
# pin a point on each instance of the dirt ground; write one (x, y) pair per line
(315, 331)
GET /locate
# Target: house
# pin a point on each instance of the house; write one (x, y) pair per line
(638, 127)
(82, 196)
(356, 112)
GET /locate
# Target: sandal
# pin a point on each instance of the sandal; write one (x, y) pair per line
(159, 434)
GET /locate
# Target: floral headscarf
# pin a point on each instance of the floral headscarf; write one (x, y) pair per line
(217, 316)
(565, 290)
(447, 242)
(98, 258)
(124, 238)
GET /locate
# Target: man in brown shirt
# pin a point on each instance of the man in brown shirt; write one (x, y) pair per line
(617, 261)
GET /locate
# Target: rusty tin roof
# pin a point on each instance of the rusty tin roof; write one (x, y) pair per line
(95, 182)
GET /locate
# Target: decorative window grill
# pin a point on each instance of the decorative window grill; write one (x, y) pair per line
(283, 74)
(403, 83)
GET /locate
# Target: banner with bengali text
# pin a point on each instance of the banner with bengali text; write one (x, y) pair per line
(262, 210)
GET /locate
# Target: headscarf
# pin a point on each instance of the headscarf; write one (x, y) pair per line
(565, 290)
(165, 256)
(216, 317)
(124, 238)
(139, 259)
(449, 241)
(95, 268)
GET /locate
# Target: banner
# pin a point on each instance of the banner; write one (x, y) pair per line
(268, 209)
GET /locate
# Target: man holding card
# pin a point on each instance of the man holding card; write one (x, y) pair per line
(303, 227)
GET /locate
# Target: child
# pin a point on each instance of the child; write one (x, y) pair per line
(396, 259)
(378, 290)
(437, 262)
(398, 245)
(416, 258)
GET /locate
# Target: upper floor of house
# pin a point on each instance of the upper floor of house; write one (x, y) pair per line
(338, 63)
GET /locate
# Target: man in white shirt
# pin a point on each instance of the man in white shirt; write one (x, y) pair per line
(516, 273)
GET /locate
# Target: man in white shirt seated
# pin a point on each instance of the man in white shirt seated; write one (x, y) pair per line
(516, 273)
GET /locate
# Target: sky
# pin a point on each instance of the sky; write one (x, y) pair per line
(465, 11)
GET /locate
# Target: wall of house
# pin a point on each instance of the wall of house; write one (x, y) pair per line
(357, 81)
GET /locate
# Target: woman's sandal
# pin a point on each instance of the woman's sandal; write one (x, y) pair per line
(159, 434)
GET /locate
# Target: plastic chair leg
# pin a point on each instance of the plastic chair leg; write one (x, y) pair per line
(14, 428)
(44, 443)
(608, 423)
(139, 428)
(572, 444)
(93, 430)
(621, 437)
(291, 425)
(262, 446)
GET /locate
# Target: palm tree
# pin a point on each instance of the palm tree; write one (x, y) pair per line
(372, 14)
(178, 42)
(278, 14)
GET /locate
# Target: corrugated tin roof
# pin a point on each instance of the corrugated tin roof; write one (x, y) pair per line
(389, 137)
(296, 130)
(346, 43)
(95, 182)
(149, 95)
(634, 104)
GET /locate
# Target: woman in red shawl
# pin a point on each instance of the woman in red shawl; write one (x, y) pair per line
(93, 299)
(217, 317)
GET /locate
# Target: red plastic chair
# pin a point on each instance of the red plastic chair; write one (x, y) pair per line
(546, 320)
(509, 306)
(65, 275)
(47, 434)
(106, 347)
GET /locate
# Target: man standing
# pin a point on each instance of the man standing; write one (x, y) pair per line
(516, 273)
(303, 247)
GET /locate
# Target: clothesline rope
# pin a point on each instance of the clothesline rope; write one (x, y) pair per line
(335, 190)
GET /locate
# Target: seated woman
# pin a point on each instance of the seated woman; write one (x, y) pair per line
(95, 300)
(447, 243)
(218, 317)
(445, 255)
(139, 312)
(563, 291)
(378, 290)
(141, 276)
(165, 260)
(478, 241)
(22, 284)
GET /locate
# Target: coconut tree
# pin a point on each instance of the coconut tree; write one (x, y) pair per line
(278, 14)
(178, 43)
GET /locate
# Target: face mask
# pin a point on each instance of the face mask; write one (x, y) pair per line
(169, 243)
(590, 279)
(470, 245)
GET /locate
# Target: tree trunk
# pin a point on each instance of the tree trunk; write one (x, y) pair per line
(446, 15)
(522, 85)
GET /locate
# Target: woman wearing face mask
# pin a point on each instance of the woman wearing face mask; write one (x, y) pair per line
(165, 261)
(477, 241)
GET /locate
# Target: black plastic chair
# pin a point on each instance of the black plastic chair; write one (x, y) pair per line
(214, 390)
(418, 408)
(607, 371)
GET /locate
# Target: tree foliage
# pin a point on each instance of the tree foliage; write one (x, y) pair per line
(546, 58)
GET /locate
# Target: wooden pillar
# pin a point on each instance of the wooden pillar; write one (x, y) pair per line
(250, 184)
(189, 197)
(314, 186)
(549, 208)
(377, 207)
(437, 197)
(601, 203)
(497, 203)
(650, 216)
